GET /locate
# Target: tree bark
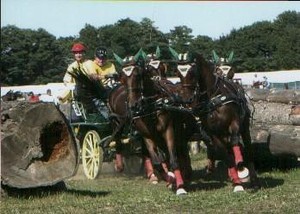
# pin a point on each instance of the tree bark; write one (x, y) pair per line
(276, 96)
(38, 147)
(276, 122)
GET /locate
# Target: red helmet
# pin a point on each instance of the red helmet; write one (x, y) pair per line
(78, 47)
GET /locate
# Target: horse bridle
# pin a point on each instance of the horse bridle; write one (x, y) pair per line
(128, 71)
(183, 69)
(154, 65)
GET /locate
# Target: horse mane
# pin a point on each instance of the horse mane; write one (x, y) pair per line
(94, 88)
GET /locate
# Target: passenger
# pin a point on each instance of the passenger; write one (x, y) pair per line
(78, 50)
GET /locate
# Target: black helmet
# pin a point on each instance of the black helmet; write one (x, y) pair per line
(101, 52)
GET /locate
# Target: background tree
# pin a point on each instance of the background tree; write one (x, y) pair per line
(36, 57)
(180, 38)
(29, 57)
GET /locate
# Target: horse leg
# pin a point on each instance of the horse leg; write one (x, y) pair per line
(160, 165)
(169, 138)
(149, 170)
(243, 172)
(184, 161)
(119, 165)
(234, 141)
(248, 151)
(210, 167)
(233, 173)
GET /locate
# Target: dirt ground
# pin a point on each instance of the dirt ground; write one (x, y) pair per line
(132, 166)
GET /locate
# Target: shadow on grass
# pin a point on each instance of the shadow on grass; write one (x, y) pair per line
(203, 181)
(269, 182)
(219, 179)
(39, 192)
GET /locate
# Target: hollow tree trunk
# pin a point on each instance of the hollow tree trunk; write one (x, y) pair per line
(37, 145)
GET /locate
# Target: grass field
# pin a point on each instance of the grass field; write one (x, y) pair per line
(280, 193)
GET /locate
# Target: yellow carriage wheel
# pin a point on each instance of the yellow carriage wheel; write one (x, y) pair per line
(91, 154)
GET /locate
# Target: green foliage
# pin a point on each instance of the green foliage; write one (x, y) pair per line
(29, 57)
(36, 57)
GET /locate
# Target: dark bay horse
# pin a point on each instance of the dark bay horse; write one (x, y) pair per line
(224, 113)
(224, 66)
(165, 132)
(116, 100)
(157, 69)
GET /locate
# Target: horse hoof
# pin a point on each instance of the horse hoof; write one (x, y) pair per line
(238, 188)
(153, 179)
(244, 175)
(181, 191)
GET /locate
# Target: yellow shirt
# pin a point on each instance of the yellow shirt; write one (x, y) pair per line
(68, 77)
(92, 68)
(69, 81)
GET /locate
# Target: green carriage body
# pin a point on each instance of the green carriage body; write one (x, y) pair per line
(94, 134)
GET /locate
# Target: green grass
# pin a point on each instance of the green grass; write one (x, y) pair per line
(280, 193)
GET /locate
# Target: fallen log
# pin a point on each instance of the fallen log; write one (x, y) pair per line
(274, 114)
(285, 140)
(274, 95)
(38, 147)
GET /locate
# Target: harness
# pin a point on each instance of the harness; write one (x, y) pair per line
(225, 92)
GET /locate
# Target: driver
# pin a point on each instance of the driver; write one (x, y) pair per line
(100, 67)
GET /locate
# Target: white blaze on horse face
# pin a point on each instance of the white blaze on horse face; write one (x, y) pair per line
(183, 69)
(225, 68)
(128, 70)
(154, 63)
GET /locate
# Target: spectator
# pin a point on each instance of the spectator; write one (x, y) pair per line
(48, 97)
(32, 98)
(265, 83)
(256, 82)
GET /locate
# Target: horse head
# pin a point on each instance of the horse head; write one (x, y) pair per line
(224, 66)
(187, 73)
(155, 66)
(133, 76)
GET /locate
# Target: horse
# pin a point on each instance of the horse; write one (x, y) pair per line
(161, 128)
(115, 99)
(223, 66)
(155, 66)
(225, 116)
(157, 69)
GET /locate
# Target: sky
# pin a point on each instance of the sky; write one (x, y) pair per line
(63, 18)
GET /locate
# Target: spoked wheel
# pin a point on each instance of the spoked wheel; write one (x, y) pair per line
(92, 155)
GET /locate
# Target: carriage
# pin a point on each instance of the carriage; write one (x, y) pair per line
(97, 137)
(92, 131)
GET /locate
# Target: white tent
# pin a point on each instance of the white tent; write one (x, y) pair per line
(56, 88)
(273, 76)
